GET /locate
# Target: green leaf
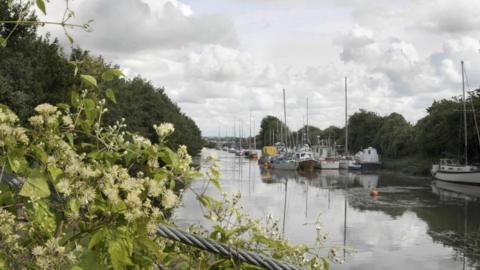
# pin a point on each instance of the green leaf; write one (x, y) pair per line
(54, 172)
(70, 138)
(110, 95)
(36, 186)
(73, 206)
(3, 42)
(17, 161)
(91, 260)
(39, 153)
(168, 156)
(90, 109)
(97, 238)
(75, 99)
(76, 268)
(89, 80)
(111, 73)
(44, 217)
(41, 6)
(150, 245)
(64, 106)
(118, 250)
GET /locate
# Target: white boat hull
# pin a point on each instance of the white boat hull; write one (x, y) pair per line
(329, 164)
(349, 164)
(459, 177)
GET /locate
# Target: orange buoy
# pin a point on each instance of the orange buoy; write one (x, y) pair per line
(374, 192)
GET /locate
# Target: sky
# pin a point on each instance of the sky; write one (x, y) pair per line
(223, 61)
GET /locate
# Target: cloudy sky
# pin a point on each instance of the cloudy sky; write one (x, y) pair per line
(221, 60)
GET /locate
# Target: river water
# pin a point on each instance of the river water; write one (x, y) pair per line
(413, 223)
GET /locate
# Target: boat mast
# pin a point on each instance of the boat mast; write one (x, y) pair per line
(464, 116)
(250, 135)
(254, 137)
(285, 117)
(346, 119)
(307, 123)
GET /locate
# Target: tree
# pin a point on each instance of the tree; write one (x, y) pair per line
(395, 136)
(363, 127)
(271, 131)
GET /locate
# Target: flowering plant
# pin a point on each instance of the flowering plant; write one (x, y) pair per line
(92, 196)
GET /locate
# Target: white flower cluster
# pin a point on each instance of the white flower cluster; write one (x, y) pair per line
(169, 199)
(10, 134)
(52, 255)
(46, 109)
(164, 130)
(9, 235)
(48, 115)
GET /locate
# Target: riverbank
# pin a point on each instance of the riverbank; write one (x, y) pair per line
(417, 166)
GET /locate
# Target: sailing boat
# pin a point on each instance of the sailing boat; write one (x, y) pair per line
(304, 155)
(451, 170)
(347, 161)
(284, 161)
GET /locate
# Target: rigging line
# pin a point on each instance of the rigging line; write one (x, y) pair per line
(473, 107)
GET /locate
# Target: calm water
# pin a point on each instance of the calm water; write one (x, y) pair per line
(410, 225)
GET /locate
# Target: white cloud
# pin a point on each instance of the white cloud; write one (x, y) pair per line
(233, 57)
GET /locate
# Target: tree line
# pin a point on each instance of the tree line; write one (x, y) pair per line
(439, 134)
(35, 69)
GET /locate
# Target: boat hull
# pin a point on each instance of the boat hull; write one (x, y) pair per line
(367, 166)
(329, 164)
(307, 164)
(347, 164)
(458, 177)
(289, 166)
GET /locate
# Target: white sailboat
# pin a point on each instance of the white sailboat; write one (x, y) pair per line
(347, 161)
(451, 170)
(325, 155)
(285, 161)
(304, 156)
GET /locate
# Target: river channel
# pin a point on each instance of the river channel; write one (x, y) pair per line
(414, 223)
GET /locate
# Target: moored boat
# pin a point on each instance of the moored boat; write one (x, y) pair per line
(304, 159)
(283, 163)
(329, 164)
(369, 159)
(451, 170)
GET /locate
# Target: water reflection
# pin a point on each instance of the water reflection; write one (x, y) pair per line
(413, 223)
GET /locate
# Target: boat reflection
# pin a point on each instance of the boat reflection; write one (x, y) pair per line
(452, 191)
(465, 242)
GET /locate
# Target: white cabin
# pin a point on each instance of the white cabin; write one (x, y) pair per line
(368, 155)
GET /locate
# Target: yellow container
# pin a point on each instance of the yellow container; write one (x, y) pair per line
(269, 151)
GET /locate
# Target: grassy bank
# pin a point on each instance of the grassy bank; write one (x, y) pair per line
(415, 165)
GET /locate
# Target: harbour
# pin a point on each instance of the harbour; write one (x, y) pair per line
(412, 223)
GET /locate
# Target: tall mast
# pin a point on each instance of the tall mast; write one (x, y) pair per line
(254, 136)
(464, 115)
(250, 135)
(285, 117)
(346, 118)
(307, 123)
